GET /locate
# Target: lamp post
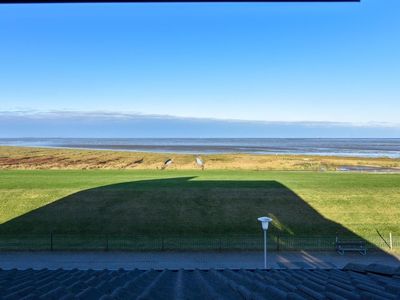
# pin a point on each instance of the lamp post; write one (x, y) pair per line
(265, 223)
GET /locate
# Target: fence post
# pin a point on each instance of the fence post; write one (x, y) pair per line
(220, 244)
(277, 243)
(51, 241)
(106, 242)
(162, 243)
(390, 241)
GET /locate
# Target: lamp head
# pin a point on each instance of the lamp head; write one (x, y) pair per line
(264, 222)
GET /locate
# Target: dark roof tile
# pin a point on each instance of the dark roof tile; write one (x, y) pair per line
(381, 269)
(310, 292)
(89, 294)
(393, 288)
(333, 296)
(275, 293)
(345, 293)
(354, 282)
(355, 267)
(294, 296)
(55, 293)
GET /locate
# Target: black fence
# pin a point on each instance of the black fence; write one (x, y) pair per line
(108, 242)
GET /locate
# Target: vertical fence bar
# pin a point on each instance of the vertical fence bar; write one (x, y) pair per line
(51, 241)
(277, 243)
(162, 243)
(106, 242)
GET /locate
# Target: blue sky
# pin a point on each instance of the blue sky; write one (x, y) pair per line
(291, 63)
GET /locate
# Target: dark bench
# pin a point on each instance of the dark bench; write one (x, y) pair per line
(351, 245)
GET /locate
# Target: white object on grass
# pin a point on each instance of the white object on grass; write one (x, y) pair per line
(200, 162)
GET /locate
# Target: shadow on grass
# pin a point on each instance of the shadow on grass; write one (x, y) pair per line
(182, 207)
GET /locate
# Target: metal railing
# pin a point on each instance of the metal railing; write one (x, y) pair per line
(114, 242)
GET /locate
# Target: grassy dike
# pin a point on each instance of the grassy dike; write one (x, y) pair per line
(196, 203)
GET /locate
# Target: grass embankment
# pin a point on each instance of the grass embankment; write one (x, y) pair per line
(44, 158)
(198, 203)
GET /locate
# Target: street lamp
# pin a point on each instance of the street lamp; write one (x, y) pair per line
(265, 223)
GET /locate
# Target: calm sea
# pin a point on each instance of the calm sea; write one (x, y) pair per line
(337, 147)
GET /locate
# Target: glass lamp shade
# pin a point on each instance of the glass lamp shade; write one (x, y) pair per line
(264, 222)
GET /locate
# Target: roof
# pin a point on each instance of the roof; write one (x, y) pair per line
(352, 282)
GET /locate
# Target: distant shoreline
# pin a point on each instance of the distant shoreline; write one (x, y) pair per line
(375, 148)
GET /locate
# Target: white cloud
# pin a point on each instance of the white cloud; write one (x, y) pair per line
(116, 115)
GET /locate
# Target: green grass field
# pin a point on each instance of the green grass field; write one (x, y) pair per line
(198, 203)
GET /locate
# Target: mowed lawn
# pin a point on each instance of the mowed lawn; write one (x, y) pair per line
(151, 202)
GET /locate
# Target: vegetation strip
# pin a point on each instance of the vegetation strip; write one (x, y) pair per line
(48, 158)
